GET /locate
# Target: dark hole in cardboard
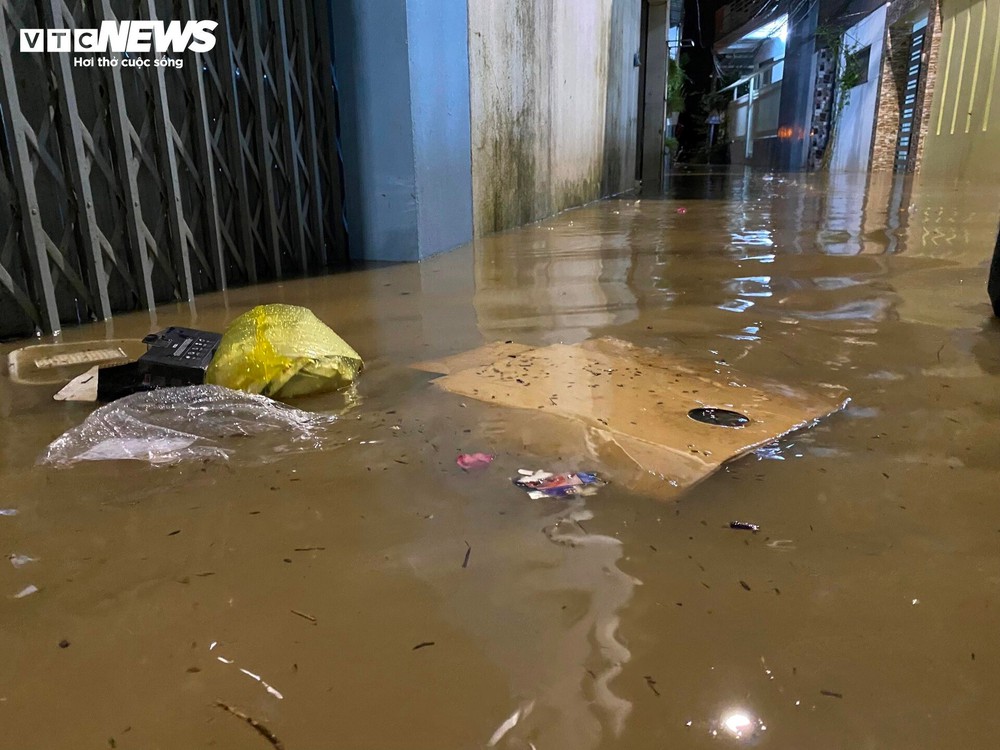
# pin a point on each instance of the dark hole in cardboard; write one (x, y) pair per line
(719, 417)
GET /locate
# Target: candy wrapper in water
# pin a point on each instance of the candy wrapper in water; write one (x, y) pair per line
(468, 461)
(539, 484)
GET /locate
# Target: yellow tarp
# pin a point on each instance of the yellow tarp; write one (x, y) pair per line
(283, 351)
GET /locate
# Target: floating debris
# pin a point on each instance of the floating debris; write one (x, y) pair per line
(467, 461)
(637, 405)
(270, 689)
(19, 561)
(652, 685)
(26, 591)
(303, 615)
(510, 723)
(744, 526)
(261, 728)
(782, 545)
(541, 484)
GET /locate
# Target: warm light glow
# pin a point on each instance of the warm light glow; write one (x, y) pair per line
(737, 724)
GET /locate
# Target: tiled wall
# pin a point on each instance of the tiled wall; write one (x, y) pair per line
(929, 75)
(888, 115)
(822, 107)
(894, 72)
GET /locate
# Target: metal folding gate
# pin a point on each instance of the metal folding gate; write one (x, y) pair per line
(124, 187)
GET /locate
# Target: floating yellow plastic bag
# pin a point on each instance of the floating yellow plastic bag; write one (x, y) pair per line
(282, 351)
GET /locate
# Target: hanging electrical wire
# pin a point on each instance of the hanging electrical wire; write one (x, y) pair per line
(701, 38)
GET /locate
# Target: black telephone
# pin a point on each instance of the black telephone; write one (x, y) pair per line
(174, 357)
(181, 349)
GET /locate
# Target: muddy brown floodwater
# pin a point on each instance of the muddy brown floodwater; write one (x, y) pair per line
(864, 614)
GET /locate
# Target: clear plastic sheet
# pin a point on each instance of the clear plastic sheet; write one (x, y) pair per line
(194, 422)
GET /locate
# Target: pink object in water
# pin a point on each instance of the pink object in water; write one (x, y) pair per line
(468, 461)
(682, 210)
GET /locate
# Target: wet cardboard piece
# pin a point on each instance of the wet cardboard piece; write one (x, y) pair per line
(81, 388)
(479, 357)
(634, 403)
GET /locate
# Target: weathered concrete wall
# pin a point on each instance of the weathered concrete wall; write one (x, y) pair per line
(622, 96)
(963, 137)
(553, 104)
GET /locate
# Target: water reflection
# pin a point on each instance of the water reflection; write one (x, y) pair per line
(562, 281)
(691, 279)
(545, 638)
(564, 679)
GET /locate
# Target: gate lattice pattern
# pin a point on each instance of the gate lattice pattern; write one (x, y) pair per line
(124, 188)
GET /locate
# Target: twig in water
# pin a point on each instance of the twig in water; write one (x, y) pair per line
(652, 685)
(425, 644)
(792, 359)
(303, 615)
(468, 552)
(261, 728)
(309, 549)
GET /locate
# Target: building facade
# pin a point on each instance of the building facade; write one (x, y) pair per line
(864, 86)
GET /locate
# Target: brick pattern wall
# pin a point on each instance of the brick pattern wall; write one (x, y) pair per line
(890, 102)
(925, 91)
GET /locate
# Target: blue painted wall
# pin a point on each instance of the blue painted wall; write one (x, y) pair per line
(403, 74)
(442, 135)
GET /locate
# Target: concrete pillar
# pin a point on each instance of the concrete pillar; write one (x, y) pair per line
(655, 63)
(403, 75)
(797, 90)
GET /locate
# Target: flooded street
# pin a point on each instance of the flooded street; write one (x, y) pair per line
(373, 595)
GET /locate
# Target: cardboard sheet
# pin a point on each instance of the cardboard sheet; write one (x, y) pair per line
(479, 357)
(81, 388)
(635, 404)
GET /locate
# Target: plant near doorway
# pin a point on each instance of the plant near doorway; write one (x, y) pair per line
(851, 71)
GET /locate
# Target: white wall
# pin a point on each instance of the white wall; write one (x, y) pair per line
(855, 125)
(963, 135)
